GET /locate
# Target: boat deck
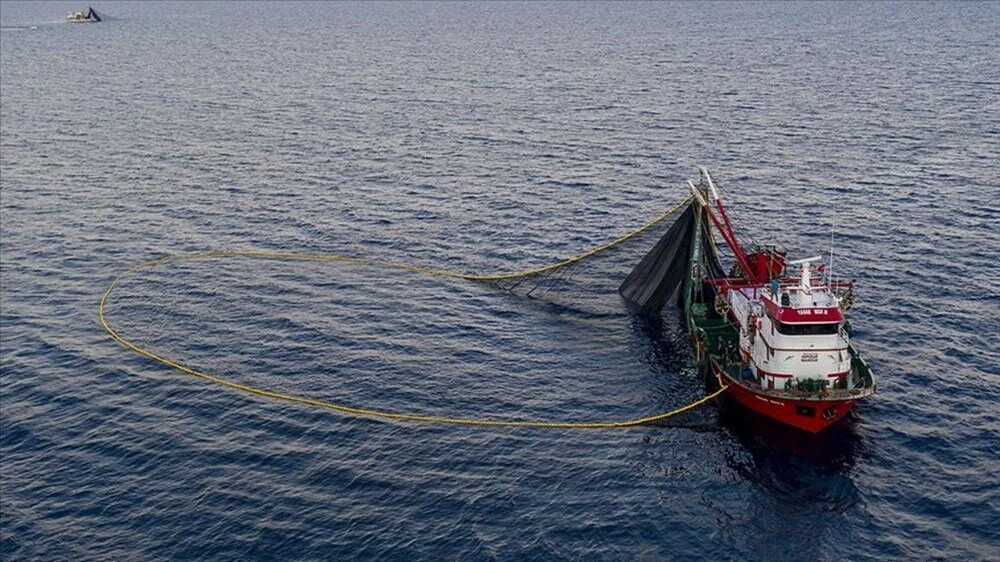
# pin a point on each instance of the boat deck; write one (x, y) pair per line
(720, 337)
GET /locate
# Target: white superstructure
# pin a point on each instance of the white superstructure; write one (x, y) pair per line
(792, 332)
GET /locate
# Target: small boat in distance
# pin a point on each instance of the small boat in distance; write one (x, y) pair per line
(90, 16)
(779, 340)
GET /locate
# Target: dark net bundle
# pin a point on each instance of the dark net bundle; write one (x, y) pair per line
(658, 280)
(641, 272)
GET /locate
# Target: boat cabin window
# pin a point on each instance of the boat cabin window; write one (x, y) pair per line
(807, 329)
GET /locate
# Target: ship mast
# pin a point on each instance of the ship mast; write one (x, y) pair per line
(724, 226)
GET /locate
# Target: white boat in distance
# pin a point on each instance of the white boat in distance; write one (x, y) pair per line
(90, 16)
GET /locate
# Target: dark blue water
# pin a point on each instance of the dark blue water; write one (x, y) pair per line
(480, 137)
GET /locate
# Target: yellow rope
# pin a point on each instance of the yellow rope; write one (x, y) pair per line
(367, 412)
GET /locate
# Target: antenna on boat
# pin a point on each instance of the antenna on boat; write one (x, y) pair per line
(829, 267)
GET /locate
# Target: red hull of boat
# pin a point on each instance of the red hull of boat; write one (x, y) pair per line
(809, 415)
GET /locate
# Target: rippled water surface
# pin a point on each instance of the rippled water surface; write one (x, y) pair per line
(483, 137)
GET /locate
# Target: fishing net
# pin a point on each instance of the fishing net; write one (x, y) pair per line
(608, 280)
(659, 276)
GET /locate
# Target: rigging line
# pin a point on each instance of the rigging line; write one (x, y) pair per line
(574, 259)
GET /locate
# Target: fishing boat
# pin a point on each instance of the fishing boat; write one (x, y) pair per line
(90, 16)
(775, 332)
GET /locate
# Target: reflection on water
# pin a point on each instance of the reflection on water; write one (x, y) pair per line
(793, 464)
(805, 494)
(664, 340)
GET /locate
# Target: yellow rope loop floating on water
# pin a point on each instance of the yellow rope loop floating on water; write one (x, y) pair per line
(384, 414)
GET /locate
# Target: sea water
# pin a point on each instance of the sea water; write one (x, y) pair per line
(483, 137)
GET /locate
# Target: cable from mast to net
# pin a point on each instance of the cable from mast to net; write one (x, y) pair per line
(376, 412)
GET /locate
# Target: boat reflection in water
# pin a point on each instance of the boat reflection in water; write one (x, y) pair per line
(801, 485)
